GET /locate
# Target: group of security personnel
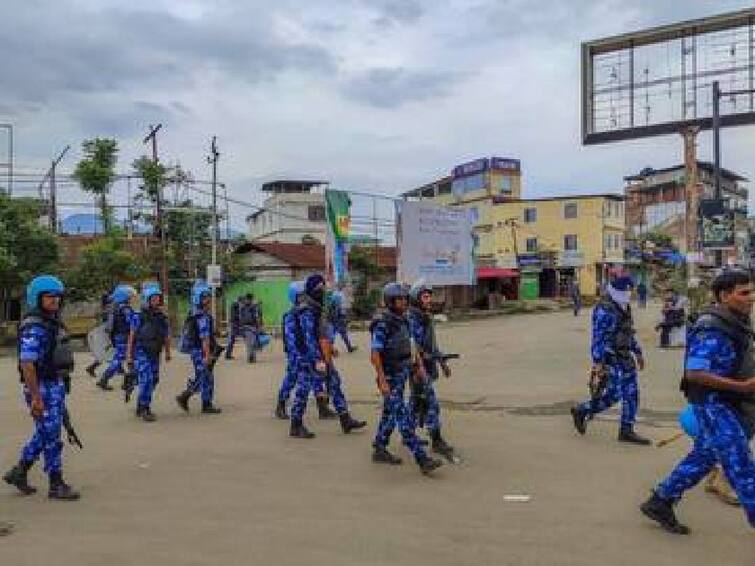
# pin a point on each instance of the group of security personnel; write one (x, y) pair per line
(718, 382)
(718, 379)
(403, 350)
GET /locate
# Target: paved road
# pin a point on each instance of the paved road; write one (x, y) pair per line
(234, 489)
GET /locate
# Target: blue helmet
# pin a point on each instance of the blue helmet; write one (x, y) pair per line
(150, 290)
(199, 290)
(623, 283)
(295, 288)
(122, 294)
(419, 287)
(43, 285)
(688, 422)
(394, 291)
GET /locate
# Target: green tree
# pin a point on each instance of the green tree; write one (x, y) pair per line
(26, 248)
(96, 173)
(366, 274)
(154, 176)
(102, 265)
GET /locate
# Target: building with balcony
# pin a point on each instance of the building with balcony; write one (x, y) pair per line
(657, 201)
(293, 213)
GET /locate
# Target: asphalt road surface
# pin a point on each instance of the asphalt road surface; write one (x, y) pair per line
(235, 489)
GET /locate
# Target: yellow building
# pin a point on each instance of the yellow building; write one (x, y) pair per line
(550, 241)
(557, 239)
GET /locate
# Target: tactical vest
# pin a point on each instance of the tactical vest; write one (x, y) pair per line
(297, 312)
(121, 326)
(150, 336)
(623, 336)
(298, 346)
(249, 315)
(190, 333)
(57, 359)
(397, 354)
(742, 336)
(426, 321)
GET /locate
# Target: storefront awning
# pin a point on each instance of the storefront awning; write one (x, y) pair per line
(496, 273)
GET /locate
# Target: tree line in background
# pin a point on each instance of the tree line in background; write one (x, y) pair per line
(27, 248)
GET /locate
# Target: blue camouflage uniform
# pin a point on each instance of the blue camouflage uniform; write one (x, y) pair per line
(334, 383)
(424, 338)
(35, 344)
(289, 379)
(146, 360)
(122, 316)
(203, 380)
(724, 434)
(387, 337)
(305, 330)
(341, 326)
(613, 343)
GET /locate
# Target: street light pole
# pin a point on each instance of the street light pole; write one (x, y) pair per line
(152, 136)
(213, 160)
(53, 191)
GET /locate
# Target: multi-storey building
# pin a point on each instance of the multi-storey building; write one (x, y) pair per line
(294, 212)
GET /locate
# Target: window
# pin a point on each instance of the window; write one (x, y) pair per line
(607, 241)
(570, 210)
(530, 214)
(570, 242)
(531, 244)
(501, 184)
(316, 213)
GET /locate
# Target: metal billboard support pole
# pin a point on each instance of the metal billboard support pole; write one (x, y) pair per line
(717, 153)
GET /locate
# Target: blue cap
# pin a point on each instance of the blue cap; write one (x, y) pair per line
(295, 289)
(198, 291)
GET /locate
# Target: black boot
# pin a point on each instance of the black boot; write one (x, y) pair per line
(145, 413)
(280, 411)
(382, 456)
(104, 385)
(298, 430)
(662, 511)
(183, 400)
(440, 446)
(323, 410)
(627, 434)
(18, 477)
(427, 464)
(580, 419)
(61, 490)
(210, 409)
(348, 423)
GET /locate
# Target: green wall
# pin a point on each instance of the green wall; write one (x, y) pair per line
(273, 295)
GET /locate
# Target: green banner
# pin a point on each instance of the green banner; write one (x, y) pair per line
(338, 206)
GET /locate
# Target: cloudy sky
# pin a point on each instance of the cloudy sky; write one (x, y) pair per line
(374, 95)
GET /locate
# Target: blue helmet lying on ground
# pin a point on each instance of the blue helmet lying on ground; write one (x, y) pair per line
(295, 289)
(122, 294)
(688, 422)
(198, 291)
(150, 290)
(43, 285)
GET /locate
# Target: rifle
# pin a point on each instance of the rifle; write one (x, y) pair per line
(73, 438)
(129, 382)
(442, 360)
(217, 352)
(597, 383)
(420, 401)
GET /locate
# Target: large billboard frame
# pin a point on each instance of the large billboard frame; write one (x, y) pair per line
(659, 35)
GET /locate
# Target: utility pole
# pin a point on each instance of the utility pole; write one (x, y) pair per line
(9, 163)
(511, 222)
(692, 193)
(53, 191)
(213, 160)
(152, 136)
